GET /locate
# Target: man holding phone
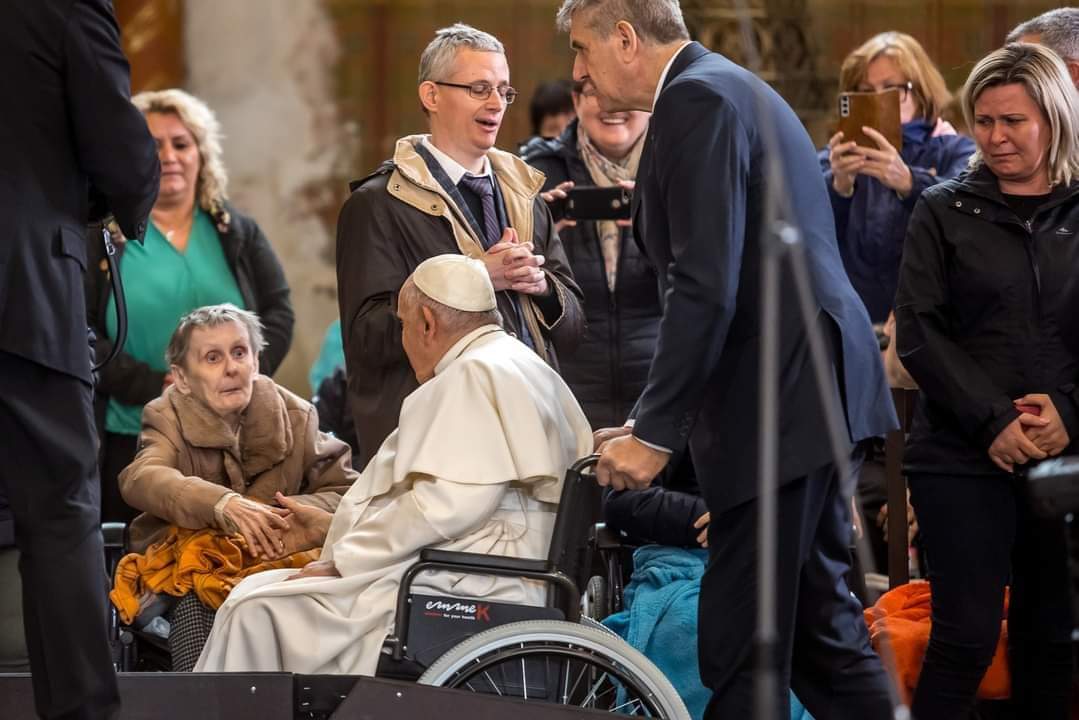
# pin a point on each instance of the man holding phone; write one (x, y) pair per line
(449, 191)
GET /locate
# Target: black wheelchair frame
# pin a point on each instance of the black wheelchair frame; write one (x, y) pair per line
(421, 647)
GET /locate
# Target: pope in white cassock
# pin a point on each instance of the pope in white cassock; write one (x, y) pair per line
(475, 465)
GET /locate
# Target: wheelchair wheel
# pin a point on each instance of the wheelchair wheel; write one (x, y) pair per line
(562, 663)
(595, 602)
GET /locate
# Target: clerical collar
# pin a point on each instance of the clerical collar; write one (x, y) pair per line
(459, 347)
(454, 169)
(663, 75)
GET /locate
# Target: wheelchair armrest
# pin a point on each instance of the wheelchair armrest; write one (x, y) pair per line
(607, 538)
(479, 561)
(114, 535)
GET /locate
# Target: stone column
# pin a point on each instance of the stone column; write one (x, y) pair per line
(267, 69)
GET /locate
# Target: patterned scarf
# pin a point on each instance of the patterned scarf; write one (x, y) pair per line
(606, 173)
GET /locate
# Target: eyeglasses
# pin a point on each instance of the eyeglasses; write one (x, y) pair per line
(483, 90)
(903, 88)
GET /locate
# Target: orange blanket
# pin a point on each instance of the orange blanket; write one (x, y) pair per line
(205, 561)
(903, 615)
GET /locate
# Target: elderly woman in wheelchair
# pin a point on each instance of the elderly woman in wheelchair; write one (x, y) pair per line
(215, 450)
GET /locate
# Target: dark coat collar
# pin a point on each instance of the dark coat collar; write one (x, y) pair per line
(686, 57)
(982, 182)
(563, 147)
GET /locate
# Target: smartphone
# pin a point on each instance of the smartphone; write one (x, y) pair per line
(878, 110)
(597, 203)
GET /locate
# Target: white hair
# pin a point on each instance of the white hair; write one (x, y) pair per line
(212, 316)
(437, 59)
(659, 21)
(452, 320)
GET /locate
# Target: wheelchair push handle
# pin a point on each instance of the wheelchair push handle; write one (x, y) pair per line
(586, 463)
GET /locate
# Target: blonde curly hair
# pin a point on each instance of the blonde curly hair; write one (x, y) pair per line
(199, 119)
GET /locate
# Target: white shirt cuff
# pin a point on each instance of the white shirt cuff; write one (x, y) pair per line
(660, 448)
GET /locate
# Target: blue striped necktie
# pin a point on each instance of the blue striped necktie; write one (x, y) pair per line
(481, 186)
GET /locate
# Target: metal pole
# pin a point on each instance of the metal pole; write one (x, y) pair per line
(765, 649)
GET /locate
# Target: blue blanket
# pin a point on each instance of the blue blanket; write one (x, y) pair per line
(660, 619)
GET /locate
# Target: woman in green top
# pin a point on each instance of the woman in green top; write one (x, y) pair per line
(199, 250)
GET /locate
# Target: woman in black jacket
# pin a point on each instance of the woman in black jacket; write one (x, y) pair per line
(986, 258)
(608, 370)
(198, 250)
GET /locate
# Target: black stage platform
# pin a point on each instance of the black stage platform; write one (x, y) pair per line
(283, 696)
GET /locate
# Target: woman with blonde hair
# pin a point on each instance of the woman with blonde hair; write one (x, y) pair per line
(986, 259)
(873, 190)
(199, 250)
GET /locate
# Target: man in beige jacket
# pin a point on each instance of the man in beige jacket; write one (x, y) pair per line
(476, 465)
(448, 192)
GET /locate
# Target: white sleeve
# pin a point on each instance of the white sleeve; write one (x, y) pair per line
(433, 511)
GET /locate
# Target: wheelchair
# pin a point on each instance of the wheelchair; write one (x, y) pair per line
(549, 654)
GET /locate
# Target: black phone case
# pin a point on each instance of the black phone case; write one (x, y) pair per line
(598, 203)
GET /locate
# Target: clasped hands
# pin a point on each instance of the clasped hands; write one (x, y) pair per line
(276, 532)
(512, 265)
(1030, 437)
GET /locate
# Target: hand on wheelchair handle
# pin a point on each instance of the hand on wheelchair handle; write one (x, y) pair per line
(601, 436)
(626, 463)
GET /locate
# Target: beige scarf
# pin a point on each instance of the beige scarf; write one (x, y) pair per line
(606, 173)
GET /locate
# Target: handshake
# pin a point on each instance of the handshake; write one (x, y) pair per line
(1036, 434)
(275, 532)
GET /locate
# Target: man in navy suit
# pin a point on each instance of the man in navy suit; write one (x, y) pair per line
(699, 214)
(68, 125)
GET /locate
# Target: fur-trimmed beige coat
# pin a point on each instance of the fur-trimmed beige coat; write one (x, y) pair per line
(189, 459)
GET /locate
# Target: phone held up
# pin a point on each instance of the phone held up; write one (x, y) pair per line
(594, 203)
(878, 110)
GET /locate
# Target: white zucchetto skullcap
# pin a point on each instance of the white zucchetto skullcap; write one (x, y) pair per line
(456, 281)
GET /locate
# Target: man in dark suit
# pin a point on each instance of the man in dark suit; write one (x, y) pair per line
(68, 126)
(699, 213)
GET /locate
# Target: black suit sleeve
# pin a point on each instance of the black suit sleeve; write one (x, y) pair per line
(113, 144)
(126, 379)
(702, 166)
(272, 297)
(943, 370)
(655, 515)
